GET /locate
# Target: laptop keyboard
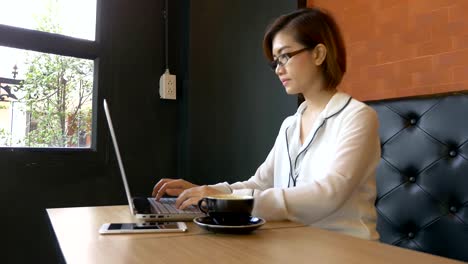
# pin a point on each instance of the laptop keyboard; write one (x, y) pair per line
(167, 206)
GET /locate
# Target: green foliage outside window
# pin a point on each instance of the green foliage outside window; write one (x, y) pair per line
(57, 93)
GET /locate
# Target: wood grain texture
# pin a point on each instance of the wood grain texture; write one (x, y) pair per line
(275, 242)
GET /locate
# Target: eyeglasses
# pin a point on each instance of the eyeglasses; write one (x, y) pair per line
(282, 59)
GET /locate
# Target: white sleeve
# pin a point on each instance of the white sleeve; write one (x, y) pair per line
(358, 153)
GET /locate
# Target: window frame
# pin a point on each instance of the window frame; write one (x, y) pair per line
(57, 44)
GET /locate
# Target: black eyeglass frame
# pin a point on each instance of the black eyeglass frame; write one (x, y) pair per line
(286, 57)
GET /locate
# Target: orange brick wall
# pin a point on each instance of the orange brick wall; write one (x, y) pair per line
(401, 48)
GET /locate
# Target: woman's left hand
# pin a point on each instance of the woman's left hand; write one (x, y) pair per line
(193, 195)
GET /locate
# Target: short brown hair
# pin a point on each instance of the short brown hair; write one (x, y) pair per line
(311, 26)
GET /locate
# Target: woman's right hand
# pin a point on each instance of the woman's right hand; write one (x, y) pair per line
(172, 187)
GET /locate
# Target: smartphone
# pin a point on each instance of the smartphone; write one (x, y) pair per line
(146, 227)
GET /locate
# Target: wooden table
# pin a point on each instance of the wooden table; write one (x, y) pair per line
(275, 242)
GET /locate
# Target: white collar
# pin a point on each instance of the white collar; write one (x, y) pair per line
(338, 101)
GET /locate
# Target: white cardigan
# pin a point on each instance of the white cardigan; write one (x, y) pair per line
(332, 184)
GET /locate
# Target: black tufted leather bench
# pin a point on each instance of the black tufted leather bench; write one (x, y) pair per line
(422, 179)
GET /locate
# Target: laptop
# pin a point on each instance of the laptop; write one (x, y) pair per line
(147, 208)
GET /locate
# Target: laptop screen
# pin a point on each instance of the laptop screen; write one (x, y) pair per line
(119, 158)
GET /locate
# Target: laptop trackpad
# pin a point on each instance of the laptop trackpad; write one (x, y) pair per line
(142, 206)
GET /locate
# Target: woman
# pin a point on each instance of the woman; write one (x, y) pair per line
(321, 170)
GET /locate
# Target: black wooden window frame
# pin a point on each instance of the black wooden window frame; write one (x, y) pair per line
(34, 40)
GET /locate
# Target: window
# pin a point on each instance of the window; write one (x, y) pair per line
(48, 55)
(71, 18)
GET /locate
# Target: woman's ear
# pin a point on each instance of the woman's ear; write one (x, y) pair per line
(320, 53)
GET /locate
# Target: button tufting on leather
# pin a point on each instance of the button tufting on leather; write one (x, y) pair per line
(453, 153)
(420, 183)
(453, 209)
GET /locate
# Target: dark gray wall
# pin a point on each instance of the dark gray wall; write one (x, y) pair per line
(222, 126)
(234, 104)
